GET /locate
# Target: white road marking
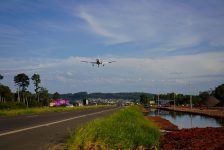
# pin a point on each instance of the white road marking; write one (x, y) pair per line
(52, 123)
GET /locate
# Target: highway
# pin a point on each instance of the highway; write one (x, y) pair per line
(42, 131)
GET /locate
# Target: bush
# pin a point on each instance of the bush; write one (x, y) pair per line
(126, 128)
(12, 105)
(22, 110)
(34, 103)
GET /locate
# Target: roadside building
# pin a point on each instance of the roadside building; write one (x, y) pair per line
(85, 102)
(59, 102)
(152, 102)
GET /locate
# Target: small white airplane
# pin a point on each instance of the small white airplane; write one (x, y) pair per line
(98, 62)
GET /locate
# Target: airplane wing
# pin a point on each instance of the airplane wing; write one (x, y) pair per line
(107, 62)
(111, 61)
(89, 62)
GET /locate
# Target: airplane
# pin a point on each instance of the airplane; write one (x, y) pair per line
(98, 62)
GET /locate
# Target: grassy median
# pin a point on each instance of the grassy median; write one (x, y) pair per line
(38, 110)
(125, 129)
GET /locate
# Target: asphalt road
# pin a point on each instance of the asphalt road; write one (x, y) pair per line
(40, 132)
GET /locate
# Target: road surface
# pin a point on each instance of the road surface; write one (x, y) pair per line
(39, 132)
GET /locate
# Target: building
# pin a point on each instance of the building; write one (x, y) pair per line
(59, 102)
(85, 102)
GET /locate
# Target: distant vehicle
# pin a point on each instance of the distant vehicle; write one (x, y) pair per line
(69, 105)
(98, 62)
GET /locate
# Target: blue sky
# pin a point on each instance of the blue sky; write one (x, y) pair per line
(160, 46)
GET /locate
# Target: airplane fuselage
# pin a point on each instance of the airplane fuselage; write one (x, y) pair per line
(98, 62)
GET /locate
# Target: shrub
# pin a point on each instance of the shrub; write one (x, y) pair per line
(11, 105)
(126, 128)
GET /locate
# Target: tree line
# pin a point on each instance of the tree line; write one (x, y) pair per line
(181, 99)
(122, 95)
(22, 97)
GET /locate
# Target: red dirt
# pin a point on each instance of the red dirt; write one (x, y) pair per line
(194, 139)
(189, 139)
(162, 123)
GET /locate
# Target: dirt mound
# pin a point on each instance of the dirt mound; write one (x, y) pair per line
(211, 101)
(194, 139)
(162, 123)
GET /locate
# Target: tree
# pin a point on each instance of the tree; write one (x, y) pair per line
(28, 97)
(36, 81)
(1, 77)
(204, 95)
(144, 99)
(56, 95)
(22, 81)
(44, 96)
(219, 92)
(5, 93)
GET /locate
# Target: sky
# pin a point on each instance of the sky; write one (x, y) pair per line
(159, 46)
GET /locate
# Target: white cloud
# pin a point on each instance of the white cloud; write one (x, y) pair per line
(127, 74)
(166, 26)
(98, 28)
(69, 73)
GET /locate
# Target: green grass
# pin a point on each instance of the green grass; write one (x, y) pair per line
(16, 112)
(126, 128)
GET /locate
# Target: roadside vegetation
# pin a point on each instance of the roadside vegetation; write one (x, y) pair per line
(37, 110)
(125, 129)
(40, 97)
(23, 98)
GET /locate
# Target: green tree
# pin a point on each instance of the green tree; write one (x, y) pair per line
(22, 81)
(5, 93)
(204, 95)
(219, 92)
(28, 98)
(196, 100)
(1, 77)
(36, 81)
(144, 99)
(56, 95)
(44, 96)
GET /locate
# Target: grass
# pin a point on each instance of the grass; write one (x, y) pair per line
(37, 110)
(126, 129)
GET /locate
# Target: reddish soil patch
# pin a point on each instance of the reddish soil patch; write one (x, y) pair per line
(194, 139)
(162, 123)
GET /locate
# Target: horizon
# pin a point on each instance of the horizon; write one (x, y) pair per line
(158, 46)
